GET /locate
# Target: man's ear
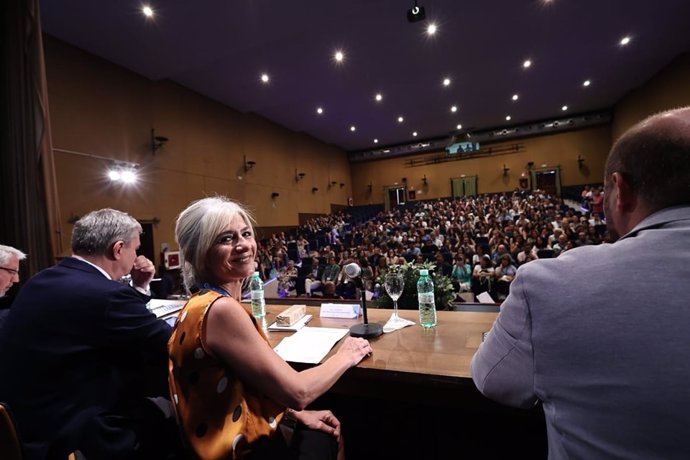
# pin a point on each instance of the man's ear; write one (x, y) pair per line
(116, 250)
(626, 199)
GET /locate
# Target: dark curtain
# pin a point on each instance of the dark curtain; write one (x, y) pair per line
(28, 194)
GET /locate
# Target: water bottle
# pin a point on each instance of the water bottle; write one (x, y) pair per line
(425, 295)
(258, 302)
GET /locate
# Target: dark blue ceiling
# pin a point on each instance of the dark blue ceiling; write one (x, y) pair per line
(219, 49)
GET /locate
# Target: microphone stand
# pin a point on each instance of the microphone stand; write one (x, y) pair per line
(365, 330)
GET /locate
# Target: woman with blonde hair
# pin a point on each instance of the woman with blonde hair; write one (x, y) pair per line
(233, 395)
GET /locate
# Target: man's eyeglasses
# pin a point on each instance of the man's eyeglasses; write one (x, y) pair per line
(11, 270)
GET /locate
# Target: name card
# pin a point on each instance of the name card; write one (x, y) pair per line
(339, 310)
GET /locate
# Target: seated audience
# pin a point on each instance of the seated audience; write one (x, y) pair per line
(330, 277)
(287, 278)
(461, 274)
(504, 273)
(367, 274)
(503, 222)
(483, 276)
(234, 396)
(312, 282)
(442, 267)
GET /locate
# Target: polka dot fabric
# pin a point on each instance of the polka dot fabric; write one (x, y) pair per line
(220, 417)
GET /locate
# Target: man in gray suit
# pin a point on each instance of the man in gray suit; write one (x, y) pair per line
(601, 334)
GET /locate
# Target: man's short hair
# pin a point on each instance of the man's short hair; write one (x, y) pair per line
(654, 159)
(94, 233)
(6, 253)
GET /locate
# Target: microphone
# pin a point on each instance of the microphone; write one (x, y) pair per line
(366, 330)
(352, 270)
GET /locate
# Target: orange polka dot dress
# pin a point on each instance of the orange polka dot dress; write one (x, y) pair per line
(220, 417)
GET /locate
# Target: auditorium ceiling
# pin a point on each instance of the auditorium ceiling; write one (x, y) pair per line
(461, 69)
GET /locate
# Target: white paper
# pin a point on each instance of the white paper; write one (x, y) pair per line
(163, 307)
(309, 344)
(339, 310)
(295, 327)
(485, 297)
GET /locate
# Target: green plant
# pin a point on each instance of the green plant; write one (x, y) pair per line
(443, 287)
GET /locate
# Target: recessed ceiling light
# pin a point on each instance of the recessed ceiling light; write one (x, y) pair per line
(414, 134)
(339, 56)
(265, 78)
(446, 81)
(147, 10)
(507, 117)
(379, 97)
(400, 119)
(586, 83)
(376, 141)
(454, 108)
(458, 127)
(515, 97)
(527, 64)
(319, 110)
(353, 128)
(431, 29)
(625, 40)
(564, 108)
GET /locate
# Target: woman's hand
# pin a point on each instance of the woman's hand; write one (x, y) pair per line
(321, 420)
(355, 349)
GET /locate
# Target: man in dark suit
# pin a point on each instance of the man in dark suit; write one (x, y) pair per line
(9, 275)
(81, 356)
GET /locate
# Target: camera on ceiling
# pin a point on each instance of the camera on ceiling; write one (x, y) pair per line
(416, 13)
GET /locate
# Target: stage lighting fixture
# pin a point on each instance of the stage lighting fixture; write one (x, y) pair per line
(416, 13)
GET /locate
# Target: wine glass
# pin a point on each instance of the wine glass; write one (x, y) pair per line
(395, 283)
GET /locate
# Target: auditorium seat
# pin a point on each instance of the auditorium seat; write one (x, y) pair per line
(10, 446)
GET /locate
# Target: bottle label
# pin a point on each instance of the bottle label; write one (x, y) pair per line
(425, 297)
(257, 295)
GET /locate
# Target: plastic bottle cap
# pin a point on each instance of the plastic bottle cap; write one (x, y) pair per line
(424, 272)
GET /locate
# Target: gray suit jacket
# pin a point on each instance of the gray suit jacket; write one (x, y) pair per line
(601, 336)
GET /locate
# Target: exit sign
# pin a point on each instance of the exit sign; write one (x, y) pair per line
(464, 147)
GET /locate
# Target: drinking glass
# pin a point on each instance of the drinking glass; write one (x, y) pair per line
(395, 283)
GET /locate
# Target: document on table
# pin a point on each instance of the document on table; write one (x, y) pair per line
(309, 344)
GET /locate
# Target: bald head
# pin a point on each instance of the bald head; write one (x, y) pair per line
(653, 157)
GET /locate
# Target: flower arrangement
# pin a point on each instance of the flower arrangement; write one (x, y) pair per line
(443, 287)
